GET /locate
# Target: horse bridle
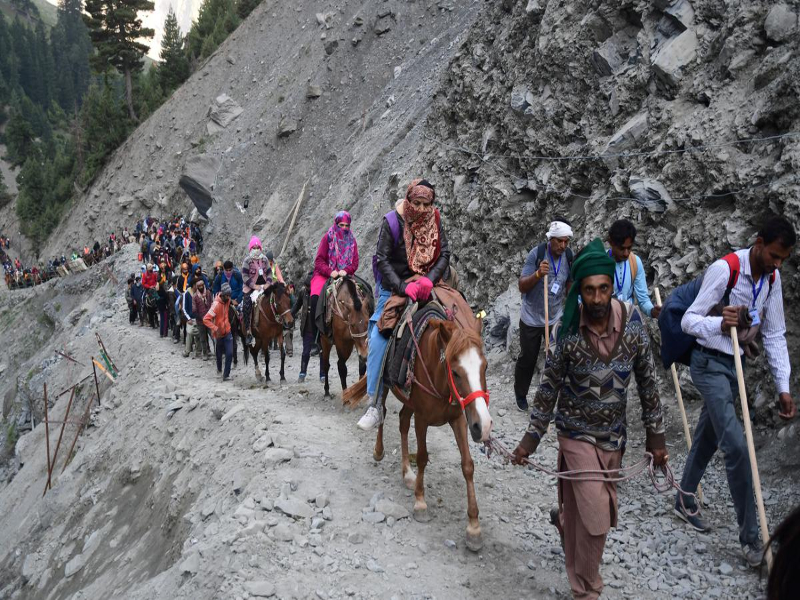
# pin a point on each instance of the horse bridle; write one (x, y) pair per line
(279, 318)
(455, 397)
(338, 312)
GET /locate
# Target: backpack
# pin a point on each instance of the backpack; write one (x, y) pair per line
(394, 227)
(676, 345)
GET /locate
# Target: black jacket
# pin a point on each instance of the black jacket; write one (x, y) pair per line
(393, 260)
(302, 306)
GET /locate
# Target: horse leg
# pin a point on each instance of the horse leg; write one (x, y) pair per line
(409, 477)
(377, 452)
(420, 506)
(474, 537)
(254, 353)
(283, 356)
(362, 366)
(341, 364)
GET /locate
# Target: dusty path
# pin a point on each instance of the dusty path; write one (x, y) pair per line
(195, 505)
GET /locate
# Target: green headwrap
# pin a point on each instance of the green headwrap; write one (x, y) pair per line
(592, 260)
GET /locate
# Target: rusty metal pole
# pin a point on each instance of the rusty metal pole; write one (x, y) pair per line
(96, 385)
(47, 431)
(81, 425)
(49, 485)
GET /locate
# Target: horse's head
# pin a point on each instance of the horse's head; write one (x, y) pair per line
(354, 312)
(466, 365)
(281, 304)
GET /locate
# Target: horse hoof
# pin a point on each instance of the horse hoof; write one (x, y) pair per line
(474, 541)
(421, 515)
(377, 457)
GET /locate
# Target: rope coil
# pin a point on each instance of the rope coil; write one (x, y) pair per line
(662, 483)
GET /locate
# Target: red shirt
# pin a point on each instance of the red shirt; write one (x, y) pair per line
(149, 280)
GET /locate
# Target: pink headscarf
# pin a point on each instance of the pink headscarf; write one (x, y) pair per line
(341, 243)
(254, 243)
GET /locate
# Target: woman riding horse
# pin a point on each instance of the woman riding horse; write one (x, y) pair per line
(417, 246)
(258, 272)
(337, 256)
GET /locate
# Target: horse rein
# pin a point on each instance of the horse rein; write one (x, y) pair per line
(338, 312)
(279, 318)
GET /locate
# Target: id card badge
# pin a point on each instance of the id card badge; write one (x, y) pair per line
(261, 271)
(756, 320)
(555, 287)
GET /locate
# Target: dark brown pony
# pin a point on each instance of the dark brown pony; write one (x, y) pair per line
(348, 329)
(444, 391)
(274, 313)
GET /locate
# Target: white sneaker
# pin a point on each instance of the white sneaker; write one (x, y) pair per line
(370, 419)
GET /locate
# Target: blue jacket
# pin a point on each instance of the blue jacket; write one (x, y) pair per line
(236, 282)
(187, 304)
(194, 276)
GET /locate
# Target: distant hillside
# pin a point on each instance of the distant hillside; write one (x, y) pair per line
(47, 12)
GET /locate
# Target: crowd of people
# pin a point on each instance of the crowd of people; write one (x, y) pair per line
(19, 276)
(593, 324)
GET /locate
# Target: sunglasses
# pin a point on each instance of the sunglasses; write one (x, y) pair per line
(344, 226)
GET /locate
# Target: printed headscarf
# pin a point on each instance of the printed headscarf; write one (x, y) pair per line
(342, 246)
(421, 231)
(592, 260)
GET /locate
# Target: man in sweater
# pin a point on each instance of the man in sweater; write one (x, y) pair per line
(630, 283)
(600, 344)
(552, 259)
(201, 302)
(754, 304)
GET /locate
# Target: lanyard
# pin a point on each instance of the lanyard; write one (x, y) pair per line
(556, 268)
(620, 284)
(757, 292)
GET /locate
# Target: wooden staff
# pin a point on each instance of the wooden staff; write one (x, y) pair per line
(751, 449)
(294, 218)
(676, 382)
(546, 317)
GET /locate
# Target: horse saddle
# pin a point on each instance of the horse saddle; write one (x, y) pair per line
(402, 352)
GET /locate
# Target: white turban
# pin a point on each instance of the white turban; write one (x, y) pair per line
(559, 229)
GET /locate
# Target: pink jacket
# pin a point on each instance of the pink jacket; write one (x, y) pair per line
(322, 269)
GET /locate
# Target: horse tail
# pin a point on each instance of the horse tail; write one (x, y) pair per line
(353, 394)
(351, 287)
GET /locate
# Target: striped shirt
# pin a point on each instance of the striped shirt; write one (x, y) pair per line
(769, 303)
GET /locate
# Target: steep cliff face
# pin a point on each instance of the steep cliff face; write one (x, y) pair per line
(543, 97)
(333, 94)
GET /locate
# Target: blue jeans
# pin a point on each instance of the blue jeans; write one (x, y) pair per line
(719, 427)
(377, 347)
(225, 346)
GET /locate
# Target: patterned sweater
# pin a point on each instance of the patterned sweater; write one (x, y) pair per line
(592, 393)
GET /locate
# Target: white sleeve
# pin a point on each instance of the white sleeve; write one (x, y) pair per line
(773, 333)
(696, 321)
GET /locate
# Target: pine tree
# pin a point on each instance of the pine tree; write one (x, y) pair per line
(174, 68)
(5, 197)
(245, 7)
(215, 20)
(72, 49)
(115, 28)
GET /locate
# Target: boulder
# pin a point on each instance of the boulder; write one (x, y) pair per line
(225, 110)
(781, 22)
(384, 25)
(313, 91)
(286, 127)
(628, 136)
(672, 58)
(533, 7)
(521, 98)
(650, 194)
(197, 180)
(391, 509)
(294, 507)
(260, 589)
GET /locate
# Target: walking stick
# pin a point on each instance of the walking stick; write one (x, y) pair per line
(751, 449)
(676, 382)
(546, 318)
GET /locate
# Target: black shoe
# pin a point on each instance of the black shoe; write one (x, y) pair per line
(556, 522)
(522, 404)
(695, 521)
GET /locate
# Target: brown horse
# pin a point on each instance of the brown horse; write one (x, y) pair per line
(274, 313)
(348, 329)
(449, 383)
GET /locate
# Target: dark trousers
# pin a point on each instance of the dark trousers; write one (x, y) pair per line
(203, 341)
(530, 341)
(719, 427)
(163, 315)
(308, 344)
(225, 346)
(133, 313)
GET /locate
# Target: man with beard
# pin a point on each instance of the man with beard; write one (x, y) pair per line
(601, 343)
(753, 305)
